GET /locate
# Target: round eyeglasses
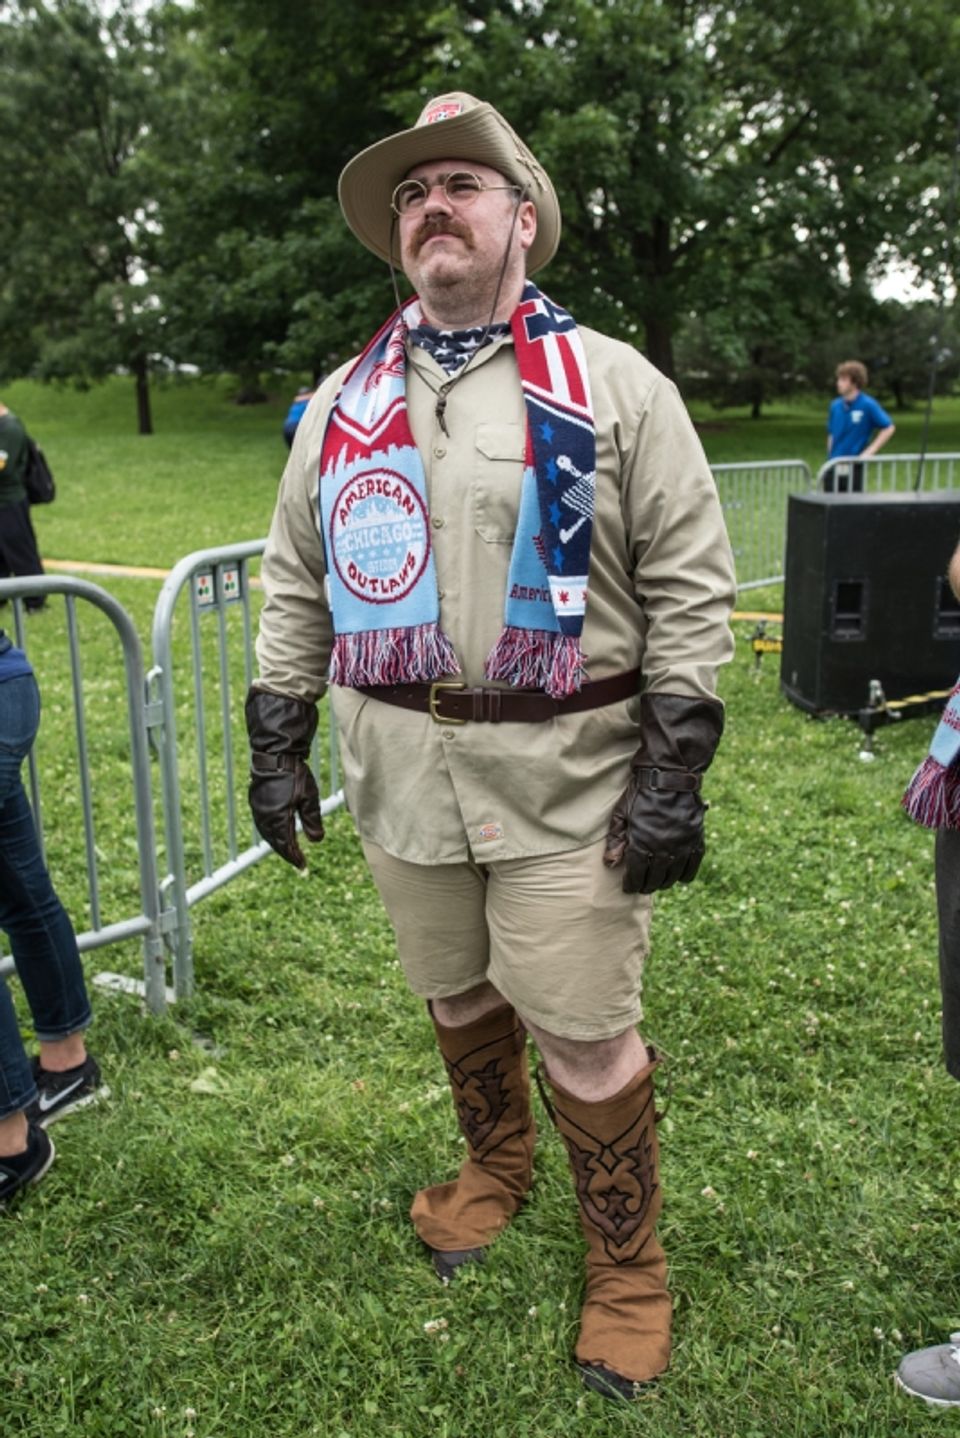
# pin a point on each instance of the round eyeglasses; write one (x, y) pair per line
(461, 188)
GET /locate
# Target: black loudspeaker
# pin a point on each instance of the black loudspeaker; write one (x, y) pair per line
(866, 597)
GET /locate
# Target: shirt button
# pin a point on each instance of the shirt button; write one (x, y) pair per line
(448, 733)
(441, 594)
(439, 452)
(437, 522)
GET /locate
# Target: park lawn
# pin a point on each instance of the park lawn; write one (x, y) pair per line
(797, 430)
(222, 1247)
(209, 473)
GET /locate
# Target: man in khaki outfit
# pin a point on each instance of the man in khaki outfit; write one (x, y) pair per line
(498, 540)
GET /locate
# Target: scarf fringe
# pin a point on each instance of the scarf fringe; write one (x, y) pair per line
(537, 659)
(392, 656)
(933, 795)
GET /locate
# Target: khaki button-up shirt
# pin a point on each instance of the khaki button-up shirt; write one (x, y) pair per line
(660, 590)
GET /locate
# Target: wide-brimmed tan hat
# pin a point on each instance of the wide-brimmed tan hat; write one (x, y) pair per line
(451, 127)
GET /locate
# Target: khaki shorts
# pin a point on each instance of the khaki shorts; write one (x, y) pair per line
(555, 934)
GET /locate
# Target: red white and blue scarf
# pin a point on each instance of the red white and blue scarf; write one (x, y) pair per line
(933, 794)
(375, 519)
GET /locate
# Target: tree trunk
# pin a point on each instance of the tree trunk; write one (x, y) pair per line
(250, 391)
(142, 376)
(756, 384)
(659, 349)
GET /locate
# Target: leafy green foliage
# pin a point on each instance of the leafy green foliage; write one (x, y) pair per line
(738, 169)
(80, 92)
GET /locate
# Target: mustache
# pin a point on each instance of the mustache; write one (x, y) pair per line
(440, 225)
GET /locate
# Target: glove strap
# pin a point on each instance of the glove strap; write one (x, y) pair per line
(261, 763)
(678, 780)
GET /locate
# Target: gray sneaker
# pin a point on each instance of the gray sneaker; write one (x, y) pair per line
(933, 1374)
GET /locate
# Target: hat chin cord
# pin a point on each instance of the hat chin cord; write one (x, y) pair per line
(442, 391)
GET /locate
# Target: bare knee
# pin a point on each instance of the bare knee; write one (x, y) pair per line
(458, 1009)
(593, 1069)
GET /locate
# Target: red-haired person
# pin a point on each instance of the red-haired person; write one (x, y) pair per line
(857, 427)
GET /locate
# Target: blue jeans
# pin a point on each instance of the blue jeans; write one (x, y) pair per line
(42, 940)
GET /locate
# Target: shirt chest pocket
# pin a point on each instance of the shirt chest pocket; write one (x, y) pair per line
(497, 481)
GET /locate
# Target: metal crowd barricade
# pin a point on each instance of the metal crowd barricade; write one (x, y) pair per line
(754, 501)
(204, 846)
(890, 473)
(148, 923)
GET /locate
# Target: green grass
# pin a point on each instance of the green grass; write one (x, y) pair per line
(797, 430)
(207, 475)
(228, 1233)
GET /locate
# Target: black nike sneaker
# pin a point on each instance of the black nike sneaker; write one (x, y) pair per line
(58, 1093)
(19, 1170)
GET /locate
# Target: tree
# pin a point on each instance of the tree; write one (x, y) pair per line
(696, 143)
(906, 348)
(266, 108)
(78, 92)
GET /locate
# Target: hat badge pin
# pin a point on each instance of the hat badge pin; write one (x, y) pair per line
(446, 111)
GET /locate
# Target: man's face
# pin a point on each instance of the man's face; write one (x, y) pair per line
(846, 388)
(445, 243)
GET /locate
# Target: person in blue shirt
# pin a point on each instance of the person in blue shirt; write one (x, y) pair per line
(295, 413)
(857, 426)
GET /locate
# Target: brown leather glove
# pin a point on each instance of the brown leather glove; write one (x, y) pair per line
(282, 785)
(657, 824)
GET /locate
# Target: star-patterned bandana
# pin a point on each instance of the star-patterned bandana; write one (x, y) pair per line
(374, 512)
(452, 348)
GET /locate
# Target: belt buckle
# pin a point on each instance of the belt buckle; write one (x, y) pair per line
(434, 699)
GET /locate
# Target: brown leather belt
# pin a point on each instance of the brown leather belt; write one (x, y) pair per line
(448, 702)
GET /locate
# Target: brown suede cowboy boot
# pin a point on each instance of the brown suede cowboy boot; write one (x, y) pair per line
(487, 1064)
(612, 1146)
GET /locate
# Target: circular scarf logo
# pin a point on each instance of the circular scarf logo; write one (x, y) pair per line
(379, 536)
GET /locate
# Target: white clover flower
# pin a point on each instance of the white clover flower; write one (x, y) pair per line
(878, 1334)
(319, 1203)
(288, 1160)
(532, 1311)
(848, 1285)
(83, 1298)
(189, 1414)
(708, 1192)
(896, 1335)
(41, 1288)
(752, 1153)
(159, 1411)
